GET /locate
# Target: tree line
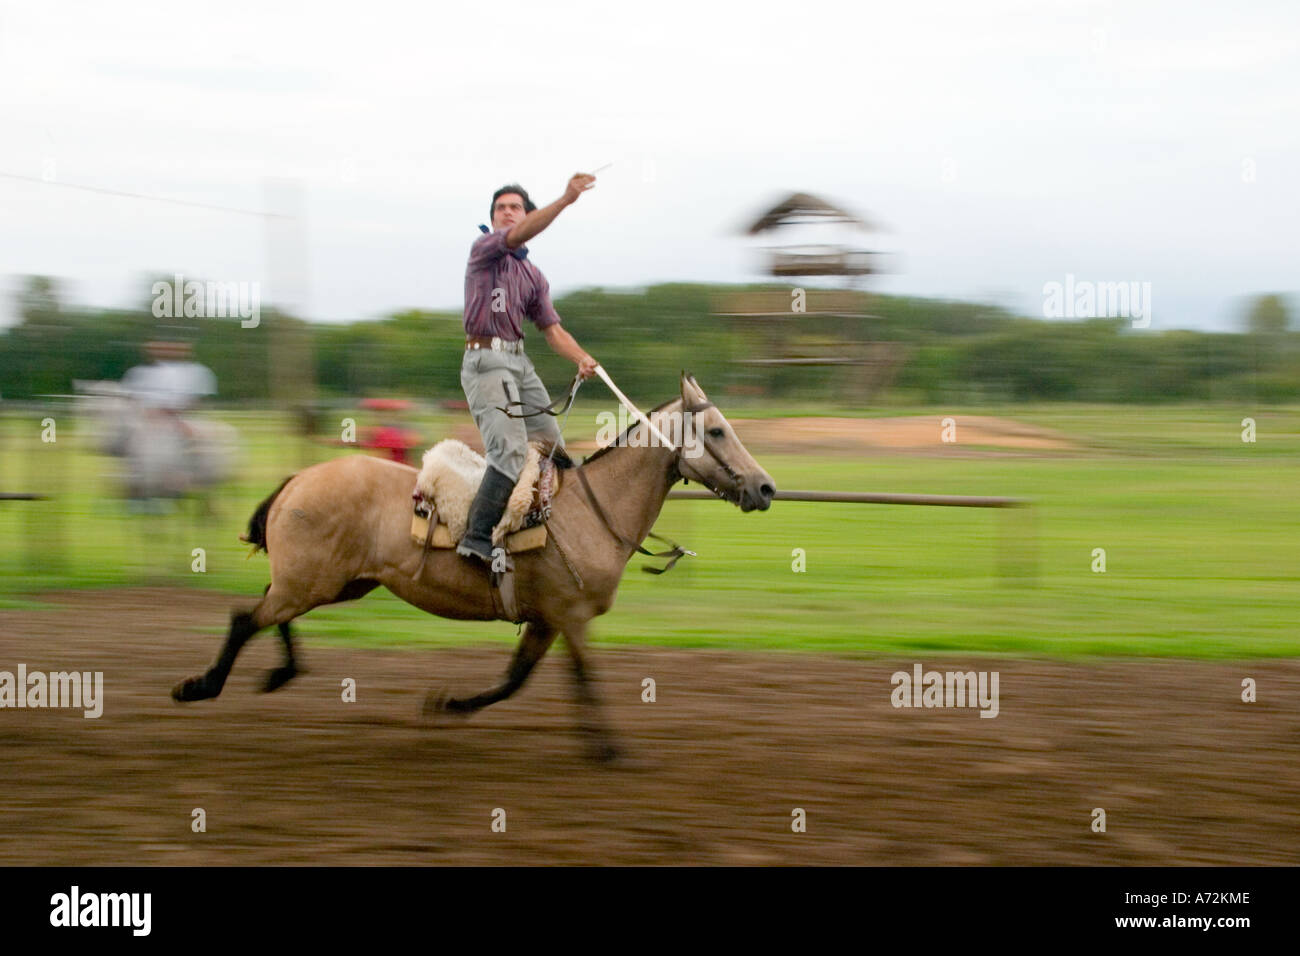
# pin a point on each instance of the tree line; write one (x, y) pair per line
(937, 351)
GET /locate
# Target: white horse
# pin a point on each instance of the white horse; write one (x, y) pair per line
(161, 459)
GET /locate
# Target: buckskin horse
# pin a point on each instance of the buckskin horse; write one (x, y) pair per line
(338, 530)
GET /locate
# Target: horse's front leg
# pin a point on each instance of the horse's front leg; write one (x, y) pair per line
(600, 741)
(537, 639)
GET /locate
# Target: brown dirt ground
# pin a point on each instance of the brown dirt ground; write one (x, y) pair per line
(910, 433)
(975, 435)
(1186, 772)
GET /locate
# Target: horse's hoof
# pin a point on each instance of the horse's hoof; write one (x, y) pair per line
(278, 677)
(435, 703)
(604, 752)
(612, 757)
(192, 688)
(440, 704)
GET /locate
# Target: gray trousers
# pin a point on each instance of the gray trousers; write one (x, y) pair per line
(487, 377)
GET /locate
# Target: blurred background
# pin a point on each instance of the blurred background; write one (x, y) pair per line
(234, 245)
(1007, 249)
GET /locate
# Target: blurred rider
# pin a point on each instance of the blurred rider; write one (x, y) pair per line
(171, 385)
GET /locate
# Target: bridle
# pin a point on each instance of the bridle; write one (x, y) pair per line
(727, 469)
(675, 551)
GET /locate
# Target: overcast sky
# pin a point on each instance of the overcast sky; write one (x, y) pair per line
(1004, 144)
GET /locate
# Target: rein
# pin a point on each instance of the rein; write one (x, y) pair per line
(675, 552)
(550, 409)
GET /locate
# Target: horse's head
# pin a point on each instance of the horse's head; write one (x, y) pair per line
(712, 454)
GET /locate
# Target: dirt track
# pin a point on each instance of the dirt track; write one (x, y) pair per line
(973, 435)
(1185, 771)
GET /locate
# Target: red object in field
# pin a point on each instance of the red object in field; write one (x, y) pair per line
(396, 442)
(386, 404)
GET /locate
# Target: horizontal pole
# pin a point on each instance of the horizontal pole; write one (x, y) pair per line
(876, 498)
(12, 496)
(827, 360)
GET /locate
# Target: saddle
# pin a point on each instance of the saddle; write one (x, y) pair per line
(448, 481)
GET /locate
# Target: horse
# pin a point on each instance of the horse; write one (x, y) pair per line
(160, 461)
(338, 530)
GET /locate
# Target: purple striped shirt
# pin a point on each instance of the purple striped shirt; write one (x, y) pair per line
(502, 289)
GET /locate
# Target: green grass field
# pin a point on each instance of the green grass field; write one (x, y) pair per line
(1201, 533)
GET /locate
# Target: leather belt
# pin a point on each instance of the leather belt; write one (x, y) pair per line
(495, 343)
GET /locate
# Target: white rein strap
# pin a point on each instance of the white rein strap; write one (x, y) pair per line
(636, 412)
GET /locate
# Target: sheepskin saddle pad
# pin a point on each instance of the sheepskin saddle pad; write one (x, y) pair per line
(452, 472)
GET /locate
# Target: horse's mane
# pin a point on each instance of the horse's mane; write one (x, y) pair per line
(618, 442)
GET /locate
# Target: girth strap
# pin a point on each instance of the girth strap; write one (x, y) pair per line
(502, 588)
(428, 542)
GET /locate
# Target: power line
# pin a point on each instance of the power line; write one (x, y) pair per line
(131, 195)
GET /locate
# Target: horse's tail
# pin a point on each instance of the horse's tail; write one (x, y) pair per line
(256, 535)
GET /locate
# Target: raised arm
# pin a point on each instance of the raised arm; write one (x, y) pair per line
(539, 219)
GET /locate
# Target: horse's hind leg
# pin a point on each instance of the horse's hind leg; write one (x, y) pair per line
(209, 684)
(537, 639)
(279, 676)
(276, 607)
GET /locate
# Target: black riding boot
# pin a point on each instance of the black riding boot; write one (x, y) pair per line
(489, 504)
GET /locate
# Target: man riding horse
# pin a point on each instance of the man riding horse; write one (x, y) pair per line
(334, 532)
(502, 288)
